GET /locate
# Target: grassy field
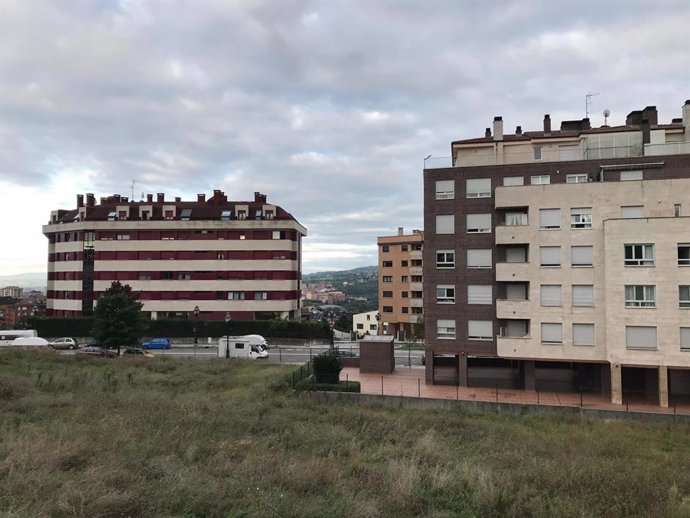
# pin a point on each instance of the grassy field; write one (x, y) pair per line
(227, 438)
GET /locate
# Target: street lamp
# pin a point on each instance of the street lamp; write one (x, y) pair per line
(196, 323)
(378, 324)
(228, 317)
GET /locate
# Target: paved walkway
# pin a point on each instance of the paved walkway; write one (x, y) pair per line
(411, 383)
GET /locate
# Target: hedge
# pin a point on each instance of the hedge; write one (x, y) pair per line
(342, 386)
(54, 327)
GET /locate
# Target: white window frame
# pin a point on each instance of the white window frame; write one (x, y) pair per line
(513, 181)
(445, 189)
(684, 296)
(445, 294)
(684, 339)
(445, 329)
(540, 179)
(537, 153)
(235, 295)
(685, 260)
(577, 178)
(445, 259)
(642, 254)
(477, 225)
(581, 218)
(477, 188)
(640, 296)
(516, 219)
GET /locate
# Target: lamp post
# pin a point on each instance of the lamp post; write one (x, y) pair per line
(196, 323)
(378, 324)
(228, 317)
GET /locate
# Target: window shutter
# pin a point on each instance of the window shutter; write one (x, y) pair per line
(512, 181)
(479, 258)
(479, 294)
(515, 255)
(480, 329)
(550, 255)
(685, 337)
(445, 224)
(445, 189)
(583, 334)
(478, 188)
(583, 295)
(633, 211)
(478, 222)
(550, 218)
(551, 295)
(582, 255)
(631, 175)
(640, 337)
(552, 333)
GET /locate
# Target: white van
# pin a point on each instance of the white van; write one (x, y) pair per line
(240, 347)
(257, 340)
(8, 336)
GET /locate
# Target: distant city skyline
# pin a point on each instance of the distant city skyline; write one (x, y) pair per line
(328, 108)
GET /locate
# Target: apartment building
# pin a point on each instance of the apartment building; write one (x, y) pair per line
(12, 291)
(366, 323)
(401, 289)
(236, 259)
(560, 259)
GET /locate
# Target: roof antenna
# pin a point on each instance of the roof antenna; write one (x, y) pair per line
(607, 112)
(588, 102)
(132, 198)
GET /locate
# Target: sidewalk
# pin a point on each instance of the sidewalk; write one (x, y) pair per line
(411, 383)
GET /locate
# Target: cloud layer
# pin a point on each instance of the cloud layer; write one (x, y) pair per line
(328, 107)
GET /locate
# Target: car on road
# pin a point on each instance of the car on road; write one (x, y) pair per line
(95, 351)
(345, 353)
(156, 343)
(136, 352)
(29, 342)
(64, 343)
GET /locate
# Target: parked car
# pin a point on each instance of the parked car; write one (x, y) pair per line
(64, 343)
(29, 342)
(345, 353)
(136, 352)
(95, 351)
(156, 343)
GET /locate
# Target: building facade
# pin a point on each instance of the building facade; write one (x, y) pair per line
(560, 259)
(401, 305)
(12, 291)
(365, 323)
(236, 259)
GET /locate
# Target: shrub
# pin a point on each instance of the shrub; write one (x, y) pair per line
(327, 368)
(342, 386)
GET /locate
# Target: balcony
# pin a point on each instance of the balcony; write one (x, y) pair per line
(511, 309)
(416, 255)
(416, 270)
(513, 234)
(416, 286)
(513, 272)
(416, 303)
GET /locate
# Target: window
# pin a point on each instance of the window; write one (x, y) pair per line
(576, 178)
(549, 219)
(416, 278)
(516, 254)
(445, 258)
(581, 218)
(144, 276)
(404, 278)
(186, 214)
(388, 309)
(122, 237)
(112, 215)
(551, 295)
(477, 294)
(445, 189)
(404, 294)
(683, 254)
(640, 296)
(360, 326)
(387, 294)
(581, 255)
(184, 276)
(630, 175)
(513, 181)
(583, 295)
(478, 223)
(632, 211)
(404, 264)
(478, 188)
(404, 248)
(551, 333)
(677, 210)
(479, 258)
(445, 224)
(685, 338)
(684, 296)
(167, 276)
(445, 294)
(640, 255)
(260, 295)
(405, 310)
(445, 329)
(543, 179)
(373, 327)
(550, 256)
(480, 329)
(275, 234)
(537, 152)
(225, 215)
(583, 334)
(640, 337)
(516, 291)
(516, 219)
(388, 264)
(235, 295)
(385, 248)
(387, 278)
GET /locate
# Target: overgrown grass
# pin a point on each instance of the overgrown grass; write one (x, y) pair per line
(224, 438)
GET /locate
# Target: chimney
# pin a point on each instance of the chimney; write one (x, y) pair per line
(90, 199)
(400, 231)
(178, 199)
(586, 124)
(149, 198)
(547, 123)
(201, 198)
(498, 128)
(644, 126)
(160, 197)
(487, 133)
(634, 118)
(686, 119)
(518, 130)
(259, 198)
(651, 115)
(116, 198)
(80, 201)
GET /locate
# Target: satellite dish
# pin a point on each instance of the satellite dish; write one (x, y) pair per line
(607, 112)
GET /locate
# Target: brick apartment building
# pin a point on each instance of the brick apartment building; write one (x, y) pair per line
(236, 257)
(401, 283)
(560, 259)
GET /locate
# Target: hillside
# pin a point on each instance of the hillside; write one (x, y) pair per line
(360, 285)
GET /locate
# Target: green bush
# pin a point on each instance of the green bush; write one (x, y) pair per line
(341, 386)
(327, 368)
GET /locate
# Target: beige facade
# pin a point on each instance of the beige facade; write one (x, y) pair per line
(365, 323)
(401, 283)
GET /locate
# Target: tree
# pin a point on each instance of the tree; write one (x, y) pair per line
(118, 320)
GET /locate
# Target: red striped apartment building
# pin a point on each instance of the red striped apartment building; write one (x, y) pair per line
(236, 257)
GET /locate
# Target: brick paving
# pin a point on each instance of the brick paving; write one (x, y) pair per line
(411, 383)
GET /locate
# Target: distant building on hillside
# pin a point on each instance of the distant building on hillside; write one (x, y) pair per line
(366, 323)
(11, 291)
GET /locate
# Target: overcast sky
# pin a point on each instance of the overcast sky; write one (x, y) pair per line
(328, 107)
